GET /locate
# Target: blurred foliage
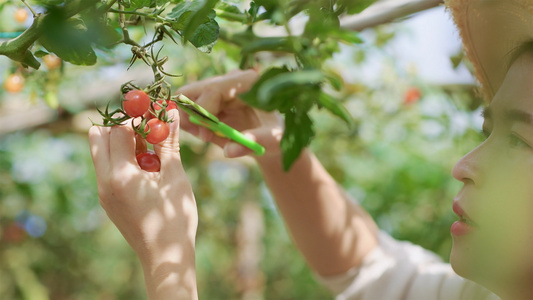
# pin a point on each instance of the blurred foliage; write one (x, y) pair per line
(396, 159)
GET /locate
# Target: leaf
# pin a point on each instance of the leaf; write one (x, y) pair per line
(228, 8)
(283, 81)
(331, 104)
(250, 97)
(205, 36)
(298, 134)
(344, 35)
(142, 3)
(68, 39)
(40, 53)
(357, 6)
(267, 44)
(230, 12)
(195, 22)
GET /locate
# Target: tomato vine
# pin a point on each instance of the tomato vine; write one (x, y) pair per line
(72, 30)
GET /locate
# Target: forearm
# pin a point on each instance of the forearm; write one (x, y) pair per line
(333, 233)
(170, 274)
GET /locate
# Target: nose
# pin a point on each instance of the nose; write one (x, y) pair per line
(467, 169)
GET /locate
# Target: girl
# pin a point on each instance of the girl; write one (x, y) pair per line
(492, 239)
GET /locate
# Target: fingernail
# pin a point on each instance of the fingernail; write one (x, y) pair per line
(174, 116)
(232, 150)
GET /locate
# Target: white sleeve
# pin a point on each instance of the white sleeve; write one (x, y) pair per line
(398, 270)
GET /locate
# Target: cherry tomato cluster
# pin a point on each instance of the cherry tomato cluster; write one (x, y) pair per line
(153, 127)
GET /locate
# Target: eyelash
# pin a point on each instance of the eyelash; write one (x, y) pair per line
(516, 141)
(513, 139)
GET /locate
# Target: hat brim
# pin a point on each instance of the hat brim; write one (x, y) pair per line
(492, 30)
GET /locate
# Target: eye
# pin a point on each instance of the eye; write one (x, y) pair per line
(517, 141)
(485, 133)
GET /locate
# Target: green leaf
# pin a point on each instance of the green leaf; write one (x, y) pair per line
(205, 36)
(195, 22)
(344, 35)
(228, 8)
(68, 39)
(230, 12)
(357, 6)
(268, 44)
(251, 98)
(298, 134)
(142, 3)
(331, 104)
(40, 53)
(286, 80)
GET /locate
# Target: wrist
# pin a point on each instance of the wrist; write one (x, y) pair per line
(170, 272)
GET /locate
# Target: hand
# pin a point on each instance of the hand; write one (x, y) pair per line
(155, 212)
(219, 95)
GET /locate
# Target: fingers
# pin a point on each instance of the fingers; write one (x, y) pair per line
(99, 145)
(122, 148)
(169, 151)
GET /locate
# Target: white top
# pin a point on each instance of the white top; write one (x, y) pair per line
(398, 270)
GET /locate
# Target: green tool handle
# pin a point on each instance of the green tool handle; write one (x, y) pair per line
(225, 131)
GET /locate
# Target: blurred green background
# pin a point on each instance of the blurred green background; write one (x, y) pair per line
(57, 243)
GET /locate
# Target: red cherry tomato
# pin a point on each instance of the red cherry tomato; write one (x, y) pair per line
(14, 83)
(21, 14)
(149, 162)
(412, 95)
(52, 61)
(157, 106)
(170, 105)
(136, 103)
(159, 131)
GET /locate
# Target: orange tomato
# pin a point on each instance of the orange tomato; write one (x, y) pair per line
(52, 61)
(21, 15)
(14, 83)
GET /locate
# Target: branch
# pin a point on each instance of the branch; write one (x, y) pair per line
(386, 11)
(17, 49)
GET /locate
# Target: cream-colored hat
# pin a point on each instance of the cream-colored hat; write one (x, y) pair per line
(491, 31)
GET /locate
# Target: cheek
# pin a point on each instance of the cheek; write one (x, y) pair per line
(505, 217)
(506, 206)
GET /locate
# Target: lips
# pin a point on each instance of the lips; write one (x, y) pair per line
(465, 225)
(463, 217)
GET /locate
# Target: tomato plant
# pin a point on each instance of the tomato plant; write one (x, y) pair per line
(157, 131)
(14, 83)
(170, 105)
(74, 29)
(149, 162)
(136, 103)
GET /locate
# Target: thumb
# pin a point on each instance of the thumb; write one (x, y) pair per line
(267, 137)
(169, 150)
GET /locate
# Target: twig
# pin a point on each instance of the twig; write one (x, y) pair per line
(30, 8)
(386, 11)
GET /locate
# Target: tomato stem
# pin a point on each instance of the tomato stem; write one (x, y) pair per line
(30, 8)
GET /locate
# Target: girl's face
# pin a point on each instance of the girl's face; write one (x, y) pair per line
(493, 239)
